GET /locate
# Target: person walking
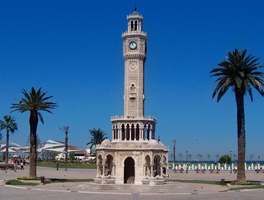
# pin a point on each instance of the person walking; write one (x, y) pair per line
(57, 165)
(22, 165)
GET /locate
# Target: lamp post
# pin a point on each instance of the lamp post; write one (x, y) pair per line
(174, 142)
(196, 139)
(186, 161)
(65, 129)
(230, 153)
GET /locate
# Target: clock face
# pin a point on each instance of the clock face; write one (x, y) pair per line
(133, 45)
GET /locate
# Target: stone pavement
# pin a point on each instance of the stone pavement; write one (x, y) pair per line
(88, 187)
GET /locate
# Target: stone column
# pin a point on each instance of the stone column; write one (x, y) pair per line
(119, 134)
(103, 169)
(141, 135)
(151, 170)
(161, 169)
(144, 170)
(97, 171)
(114, 170)
(130, 129)
(125, 129)
(113, 133)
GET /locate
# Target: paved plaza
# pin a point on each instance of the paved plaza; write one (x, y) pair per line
(89, 190)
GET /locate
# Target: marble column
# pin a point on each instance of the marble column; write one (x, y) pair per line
(152, 170)
(103, 170)
(97, 169)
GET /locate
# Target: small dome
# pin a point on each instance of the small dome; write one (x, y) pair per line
(135, 13)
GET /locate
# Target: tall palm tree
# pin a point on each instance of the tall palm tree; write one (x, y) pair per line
(35, 101)
(190, 156)
(239, 72)
(98, 136)
(11, 126)
(234, 156)
(65, 129)
(251, 158)
(217, 156)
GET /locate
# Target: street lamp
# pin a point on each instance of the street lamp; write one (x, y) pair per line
(196, 139)
(174, 142)
(186, 161)
(230, 153)
(65, 129)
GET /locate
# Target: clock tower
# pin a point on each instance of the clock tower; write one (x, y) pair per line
(134, 53)
(133, 155)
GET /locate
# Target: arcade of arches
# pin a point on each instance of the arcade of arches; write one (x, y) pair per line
(133, 131)
(124, 167)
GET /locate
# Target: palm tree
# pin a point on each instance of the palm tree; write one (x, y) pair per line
(11, 126)
(180, 156)
(240, 73)
(217, 156)
(65, 129)
(190, 156)
(98, 136)
(35, 101)
(234, 156)
(251, 158)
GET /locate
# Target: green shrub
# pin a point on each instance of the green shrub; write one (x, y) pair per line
(225, 159)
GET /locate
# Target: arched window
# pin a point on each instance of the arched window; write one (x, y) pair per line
(137, 132)
(132, 132)
(153, 134)
(123, 131)
(131, 25)
(127, 132)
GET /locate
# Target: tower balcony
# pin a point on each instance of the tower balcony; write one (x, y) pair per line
(133, 119)
(140, 34)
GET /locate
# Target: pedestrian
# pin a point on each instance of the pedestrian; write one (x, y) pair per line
(15, 164)
(22, 165)
(57, 165)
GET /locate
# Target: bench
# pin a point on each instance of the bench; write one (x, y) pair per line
(2, 167)
(214, 170)
(235, 171)
(178, 170)
(200, 170)
(6, 166)
(259, 170)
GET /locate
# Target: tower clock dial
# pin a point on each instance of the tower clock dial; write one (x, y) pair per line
(133, 45)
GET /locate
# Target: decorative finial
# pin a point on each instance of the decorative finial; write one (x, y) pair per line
(135, 5)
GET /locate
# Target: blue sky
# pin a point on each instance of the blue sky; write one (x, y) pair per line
(73, 50)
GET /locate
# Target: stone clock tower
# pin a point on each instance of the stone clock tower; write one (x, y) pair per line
(134, 52)
(133, 155)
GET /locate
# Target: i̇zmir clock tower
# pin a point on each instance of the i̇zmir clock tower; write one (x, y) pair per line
(133, 156)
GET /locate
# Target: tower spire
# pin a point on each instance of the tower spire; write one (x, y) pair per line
(135, 5)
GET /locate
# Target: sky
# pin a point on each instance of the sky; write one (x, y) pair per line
(73, 50)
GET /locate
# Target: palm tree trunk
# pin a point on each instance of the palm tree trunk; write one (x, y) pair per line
(33, 146)
(7, 142)
(241, 175)
(66, 150)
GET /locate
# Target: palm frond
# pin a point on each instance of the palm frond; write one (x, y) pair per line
(240, 71)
